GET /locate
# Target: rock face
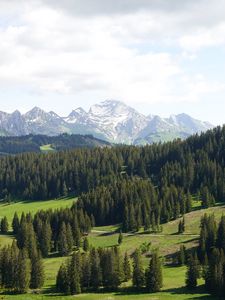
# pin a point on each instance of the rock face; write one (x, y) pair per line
(111, 120)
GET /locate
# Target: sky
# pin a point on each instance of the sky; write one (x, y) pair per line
(158, 56)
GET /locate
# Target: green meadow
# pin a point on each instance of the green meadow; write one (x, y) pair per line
(167, 241)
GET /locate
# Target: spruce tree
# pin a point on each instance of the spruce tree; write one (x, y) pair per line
(4, 225)
(75, 273)
(45, 239)
(37, 271)
(63, 280)
(220, 242)
(182, 255)
(63, 246)
(126, 268)
(120, 238)
(192, 272)
(15, 223)
(85, 244)
(96, 272)
(138, 272)
(154, 274)
(23, 276)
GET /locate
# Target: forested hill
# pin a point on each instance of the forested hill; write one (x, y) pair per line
(39, 143)
(196, 165)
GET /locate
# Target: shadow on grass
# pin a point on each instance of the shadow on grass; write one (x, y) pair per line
(198, 290)
(189, 241)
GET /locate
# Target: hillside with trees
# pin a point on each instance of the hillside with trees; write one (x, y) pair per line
(138, 191)
(43, 143)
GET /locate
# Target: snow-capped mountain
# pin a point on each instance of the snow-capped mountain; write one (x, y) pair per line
(110, 120)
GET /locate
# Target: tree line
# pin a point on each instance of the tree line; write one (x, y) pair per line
(195, 165)
(135, 203)
(208, 261)
(107, 268)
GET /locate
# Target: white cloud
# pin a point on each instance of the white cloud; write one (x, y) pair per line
(71, 49)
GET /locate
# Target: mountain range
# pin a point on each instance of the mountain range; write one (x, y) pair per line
(110, 120)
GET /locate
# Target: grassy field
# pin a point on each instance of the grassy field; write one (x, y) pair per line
(174, 281)
(8, 210)
(168, 243)
(47, 148)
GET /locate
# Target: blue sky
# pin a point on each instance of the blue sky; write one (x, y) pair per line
(161, 57)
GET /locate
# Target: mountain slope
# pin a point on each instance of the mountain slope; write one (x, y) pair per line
(38, 143)
(111, 120)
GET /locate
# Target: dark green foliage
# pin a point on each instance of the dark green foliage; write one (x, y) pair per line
(4, 225)
(220, 242)
(192, 272)
(134, 203)
(211, 252)
(208, 235)
(92, 270)
(126, 268)
(15, 223)
(45, 236)
(181, 259)
(37, 271)
(153, 275)
(215, 275)
(32, 143)
(14, 269)
(85, 244)
(120, 238)
(62, 280)
(63, 246)
(196, 165)
(181, 226)
(75, 273)
(138, 271)
(96, 272)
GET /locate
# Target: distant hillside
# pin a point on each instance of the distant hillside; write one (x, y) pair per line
(43, 143)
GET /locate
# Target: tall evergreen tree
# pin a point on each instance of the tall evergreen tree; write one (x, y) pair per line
(138, 271)
(15, 223)
(192, 272)
(4, 225)
(126, 268)
(154, 274)
(37, 271)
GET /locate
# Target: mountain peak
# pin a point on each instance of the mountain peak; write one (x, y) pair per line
(111, 120)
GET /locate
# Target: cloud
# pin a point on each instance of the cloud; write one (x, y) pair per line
(126, 49)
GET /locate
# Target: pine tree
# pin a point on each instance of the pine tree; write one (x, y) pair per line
(75, 273)
(138, 272)
(23, 273)
(120, 238)
(4, 225)
(126, 268)
(192, 272)
(220, 242)
(215, 275)
(181, 226)
(63, 280)
(86, 272)
(45, 239)
(15, 223)
(182, 255)
(85, 244)
(37, 271)
(62, 241)
(154, 274)
(96, 272)
(69, 237)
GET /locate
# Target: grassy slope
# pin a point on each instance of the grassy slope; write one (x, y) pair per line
(168, 242)
(47, 148)
(8, 210)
